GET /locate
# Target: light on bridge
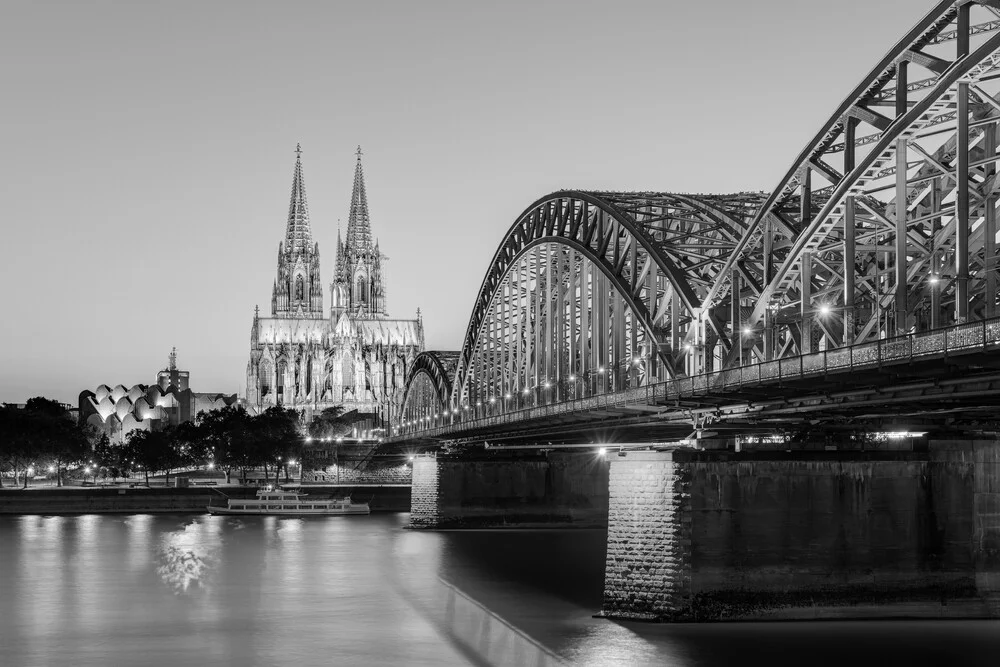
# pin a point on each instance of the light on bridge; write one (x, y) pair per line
(547, 385)
(824, 309)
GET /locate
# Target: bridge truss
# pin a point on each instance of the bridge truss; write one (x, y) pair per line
(884, 225)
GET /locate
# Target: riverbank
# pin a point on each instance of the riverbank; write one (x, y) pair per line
(192, 500)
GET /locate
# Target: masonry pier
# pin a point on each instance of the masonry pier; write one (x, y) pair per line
(903, 530)
(496, 490)
(710, 535)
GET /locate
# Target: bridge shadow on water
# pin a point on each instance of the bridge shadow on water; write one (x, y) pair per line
(547, 585)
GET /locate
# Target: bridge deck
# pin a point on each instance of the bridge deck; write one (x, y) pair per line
(955, 368)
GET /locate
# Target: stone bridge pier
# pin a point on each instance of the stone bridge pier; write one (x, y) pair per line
(711, 535)
(496, 489)
(703, 535)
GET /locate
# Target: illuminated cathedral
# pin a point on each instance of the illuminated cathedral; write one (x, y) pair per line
(355, 356)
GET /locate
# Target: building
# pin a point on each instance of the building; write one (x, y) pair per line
(119, 410)
(356, 356)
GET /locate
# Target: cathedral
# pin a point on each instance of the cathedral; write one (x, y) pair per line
(356, 356)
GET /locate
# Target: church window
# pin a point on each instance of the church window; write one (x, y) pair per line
(299, 288)
(265, 378)
(362, 290)
(348, 372)
(282, 369)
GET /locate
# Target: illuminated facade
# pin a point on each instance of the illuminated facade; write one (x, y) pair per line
(119, 410)
(356, 356)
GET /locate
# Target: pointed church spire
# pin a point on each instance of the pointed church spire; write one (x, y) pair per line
(338, 264)
(298, 234)
(359, 232)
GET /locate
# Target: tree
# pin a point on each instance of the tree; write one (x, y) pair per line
(150, 451)
(42, 433)
(222, 435)
(274, 439)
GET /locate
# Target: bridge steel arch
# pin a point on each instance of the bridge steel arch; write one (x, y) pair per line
(592, 291)
(886, 222)
(427, 391)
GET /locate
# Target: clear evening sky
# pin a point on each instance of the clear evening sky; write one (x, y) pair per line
(147, 148)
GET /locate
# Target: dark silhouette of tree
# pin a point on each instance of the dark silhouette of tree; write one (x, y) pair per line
(41, 434)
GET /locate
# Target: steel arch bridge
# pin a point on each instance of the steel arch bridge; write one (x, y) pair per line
(883, 226)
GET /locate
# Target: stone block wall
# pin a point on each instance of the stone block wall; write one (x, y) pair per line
(719, 535)
(567, 488)
(424, 506)
(371, 474)
(648, 571)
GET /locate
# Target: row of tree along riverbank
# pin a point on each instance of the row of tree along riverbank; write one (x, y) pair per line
(42, 439)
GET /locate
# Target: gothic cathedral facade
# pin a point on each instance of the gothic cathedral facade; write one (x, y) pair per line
(355, 357)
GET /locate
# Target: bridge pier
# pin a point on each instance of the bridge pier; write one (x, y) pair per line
(719, 535)
(497, 490)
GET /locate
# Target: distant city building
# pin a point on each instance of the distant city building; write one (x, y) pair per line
(357, 356)
(118, 411)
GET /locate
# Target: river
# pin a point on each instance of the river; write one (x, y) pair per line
(203, 590)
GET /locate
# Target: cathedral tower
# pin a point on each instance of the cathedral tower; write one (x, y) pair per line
(298, 291)
(358, 288)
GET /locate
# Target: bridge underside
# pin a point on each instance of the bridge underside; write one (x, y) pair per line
(963, 390)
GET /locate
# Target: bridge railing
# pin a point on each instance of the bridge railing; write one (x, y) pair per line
(956, 339)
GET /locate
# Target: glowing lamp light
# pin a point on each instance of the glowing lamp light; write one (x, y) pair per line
(525, 392)
(31, 470)
(507, 395)
(210, 466)
(547, 385)
(933, 279)
(637, 361)
(747, 331)
(572, 378)
(340, 439)
(600, 369)
(87, 469)
(602, 451)
(291, 462)
(493, 399)
(824, 309)
(411, 458)
(479, 402)
(309, 439)
(52, 468)
(455, 411)
(687, 346)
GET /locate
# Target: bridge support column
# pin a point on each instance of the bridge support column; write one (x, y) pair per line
(808, 533)
(648, 570)
(984, 458)
(486, 490)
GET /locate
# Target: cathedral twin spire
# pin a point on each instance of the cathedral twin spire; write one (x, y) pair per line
(298, 290)
(357, 287)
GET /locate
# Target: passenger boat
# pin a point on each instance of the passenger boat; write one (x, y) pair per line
(289, 503)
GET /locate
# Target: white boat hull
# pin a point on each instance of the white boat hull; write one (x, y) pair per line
(356, 509)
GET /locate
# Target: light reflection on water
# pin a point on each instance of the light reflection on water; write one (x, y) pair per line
(156, 590)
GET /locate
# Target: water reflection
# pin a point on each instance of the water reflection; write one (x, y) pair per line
(162, 590)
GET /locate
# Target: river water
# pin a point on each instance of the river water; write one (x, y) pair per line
(203, 590)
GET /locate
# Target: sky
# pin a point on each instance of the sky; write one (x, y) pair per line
(147, 149)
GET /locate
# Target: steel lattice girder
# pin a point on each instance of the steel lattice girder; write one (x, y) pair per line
(836, 250)
(650, 246)
(439, 370)
(903, 223)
